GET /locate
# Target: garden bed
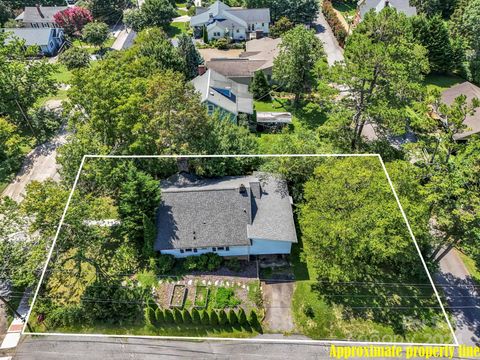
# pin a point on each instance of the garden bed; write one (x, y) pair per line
(201, 297)
(179, 294)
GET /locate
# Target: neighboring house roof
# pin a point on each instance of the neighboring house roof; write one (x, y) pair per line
(471, 91)
(237, 16)
(235, 67)
(266, 49)
(31, 36)
(224, 93)
(41, 14)
(402, 6)
(227, 211)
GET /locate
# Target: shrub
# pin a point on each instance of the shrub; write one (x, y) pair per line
(73, 19)
(187, 317)
(225, 297)
(205, 318)
(168, 316)
(233, 264)
(45, 123)
(177, 316)
(95, 33)
(255, 294)
(75, 58)
(222, 318)
(149, 315)
(260, 87)
(204, 262)
(147, 279)
(165, 264)
(159, 316)
(214, 261)
(214, 320)
(242, 317)
(253, 320)
(232, 317)
(334, 22)
(196, 316)
(222, 44)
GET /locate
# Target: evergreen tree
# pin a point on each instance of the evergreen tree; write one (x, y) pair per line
(439, 46)
(205, 317)
(190, 55)
(149, 235)
(187, 318)
(177, 316)
(232, 317)
(205, 34)
(259, 87)
(149, 318)
(196, 316)
(168, 316)
(214, 320)
(159, 316)
(222, 317)
(253, 319)
(242, 317)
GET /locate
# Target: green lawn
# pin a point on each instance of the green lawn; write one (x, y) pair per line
(471, 266)
(442, 82)
(176, 28)
(181, 12)
(346, 7)
(63, 75)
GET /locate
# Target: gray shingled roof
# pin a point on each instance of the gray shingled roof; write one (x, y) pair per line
(235, 67)
(471, 91)
(402, 6)
(238, 16)
(211, 80)
(31, 36)
(32, 15)
(214, 212)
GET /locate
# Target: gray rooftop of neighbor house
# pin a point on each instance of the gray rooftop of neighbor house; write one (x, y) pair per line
(228, 211)
(235, 67)
(266, 49)
(402, 6)
(472, 121)
(31, 36)
(238, 16)
(211, 86)
(41, 14)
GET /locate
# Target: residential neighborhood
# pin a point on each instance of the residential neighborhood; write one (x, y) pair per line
(182, 178)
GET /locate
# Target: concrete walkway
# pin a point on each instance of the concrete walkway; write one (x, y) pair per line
(124, 39)
(330, 44)
(14, 331)
(462, 296)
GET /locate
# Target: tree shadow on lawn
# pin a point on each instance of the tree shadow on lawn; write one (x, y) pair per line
(399, 302)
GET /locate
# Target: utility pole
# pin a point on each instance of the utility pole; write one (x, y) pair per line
(17, 314)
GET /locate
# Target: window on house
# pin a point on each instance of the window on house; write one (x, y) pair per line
(211, 108)
(263, 24)
(238, 30)
(188, 250)
(221, 248)
(227, 248)
(214, 249)
(181, 251)
(195, 250)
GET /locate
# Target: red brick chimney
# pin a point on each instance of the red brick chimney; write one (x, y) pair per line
(39, 10)
(202, 69)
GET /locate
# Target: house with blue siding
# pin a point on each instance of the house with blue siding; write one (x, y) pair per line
(231, 216)
(49, 40)
(221, 94)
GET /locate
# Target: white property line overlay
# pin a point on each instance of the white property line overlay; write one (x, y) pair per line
(296, 341)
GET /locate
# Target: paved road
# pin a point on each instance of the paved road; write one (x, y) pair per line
(461, 292)
(39, 165)
(324, 33)
(53, 348)
(278, 300)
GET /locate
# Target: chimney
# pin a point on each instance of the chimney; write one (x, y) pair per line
(202, 69)
(39, 10)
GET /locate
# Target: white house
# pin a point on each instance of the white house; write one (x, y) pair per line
(231, 216)
(403, 6)
(221, 20)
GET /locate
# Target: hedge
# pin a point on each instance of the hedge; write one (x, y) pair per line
(334, 22)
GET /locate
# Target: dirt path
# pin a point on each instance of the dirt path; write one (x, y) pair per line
(278, 300)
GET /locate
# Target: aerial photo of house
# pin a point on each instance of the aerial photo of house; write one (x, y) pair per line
(49, 40)
(39, 16)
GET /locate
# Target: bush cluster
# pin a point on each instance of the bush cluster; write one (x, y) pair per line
(156, 316)
(204, 262)
(334, 22)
